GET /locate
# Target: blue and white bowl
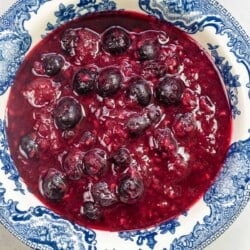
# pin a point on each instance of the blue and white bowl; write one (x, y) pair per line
(213, 27)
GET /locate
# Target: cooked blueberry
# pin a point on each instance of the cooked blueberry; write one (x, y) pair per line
(109, 81)
(73, 165)
(140, 90)
(103, 195)
(95, 162)
(52, 64)
(69, 40)
(115, 41)
(29, 146)
(148, 50)
(154, 113)
(92, 211)
(84, 81)
(130, 189)
(121, 158)
(53, 185)
(137, 124)
(67, 113)
(170, 90)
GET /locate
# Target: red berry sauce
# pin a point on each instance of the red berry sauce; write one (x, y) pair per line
(118, 121)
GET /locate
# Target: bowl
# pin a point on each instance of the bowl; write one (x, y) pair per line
(228, 45)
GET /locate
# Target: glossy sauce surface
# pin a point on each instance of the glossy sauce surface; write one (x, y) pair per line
(118, 121)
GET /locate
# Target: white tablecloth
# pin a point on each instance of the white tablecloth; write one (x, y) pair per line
(237, 237)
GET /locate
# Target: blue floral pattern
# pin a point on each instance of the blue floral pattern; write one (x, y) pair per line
(182, 6)
(147, 237)
(69, 12)
(225, 199)
(231, 81)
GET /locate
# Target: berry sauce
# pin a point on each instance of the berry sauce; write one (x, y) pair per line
(118, 121)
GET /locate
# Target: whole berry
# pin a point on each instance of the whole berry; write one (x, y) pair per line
(92, 211)
(103, 195)
(84, 81)
(53, 185)
(148, 49)
(29, 146)
(67, 113)
(115, 40)
(95, 162)
(137, 124)
(52, 64)
(140, 90)
(170, 90)
(109, 81)
(130, 189)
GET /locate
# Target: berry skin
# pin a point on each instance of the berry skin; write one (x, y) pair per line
(148, 50)
(130, 189)
(137, 124)
(52, 64)
(67, 113)
(140, 90)
(121, 158)
(109, 81)
(53, 185)
(92, 211)
(154, 113)
(69, 41)
(28, 146)
(84, 81)
(103, 195)
(73, 165)
(95, 162)
(115, 41)
(169, 91)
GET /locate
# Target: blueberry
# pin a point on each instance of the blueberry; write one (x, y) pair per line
(103, 195)
(92, 211)
(84, 81)
(154, 113)
(67, 113)
(52, 64)
(73, 165)
(137, 124)
(53, 185)
(140, 90)
(95, 162)
(29, 146)
(115, 41)
(69, 41)
(148, 50)
(121, 158)
(109, 81)
(169, 90)
(130, 189)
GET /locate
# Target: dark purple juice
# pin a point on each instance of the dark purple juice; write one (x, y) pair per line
(118, 121)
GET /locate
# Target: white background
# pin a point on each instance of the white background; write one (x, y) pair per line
(237, 237)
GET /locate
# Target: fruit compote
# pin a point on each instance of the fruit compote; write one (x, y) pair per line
(118, 121)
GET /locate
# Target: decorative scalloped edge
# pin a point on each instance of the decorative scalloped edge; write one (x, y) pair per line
(150, 244)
